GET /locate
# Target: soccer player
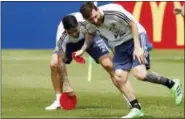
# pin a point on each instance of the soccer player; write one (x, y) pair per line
(179, 11)
(71, 35)
(128, 39)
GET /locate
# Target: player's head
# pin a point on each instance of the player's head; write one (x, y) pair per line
(91, 13)
(70, 24)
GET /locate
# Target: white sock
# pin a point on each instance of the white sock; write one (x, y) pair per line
(127, 101)
(58, 96)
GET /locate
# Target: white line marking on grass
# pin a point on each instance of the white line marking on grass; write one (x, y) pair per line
(89, 76)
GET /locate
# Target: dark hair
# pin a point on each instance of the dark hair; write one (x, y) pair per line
(86, 9)
(69, 21)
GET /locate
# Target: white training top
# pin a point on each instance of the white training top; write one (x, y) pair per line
(116, 24)
(62, 38)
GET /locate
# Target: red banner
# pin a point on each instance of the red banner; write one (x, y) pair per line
(165, 30)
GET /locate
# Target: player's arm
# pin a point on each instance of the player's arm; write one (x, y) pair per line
(88, 41)
(90, 32)
(86, 45)
(138, 51)
(135, 34)
(128, 19)
(61, 46)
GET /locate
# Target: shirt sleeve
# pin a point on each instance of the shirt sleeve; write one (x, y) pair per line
(61, 44)
(91, 28)
(83, 27)
(120, 14)
(60, 31)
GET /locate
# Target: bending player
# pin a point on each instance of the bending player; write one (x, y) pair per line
(71, 36)
(128, 38)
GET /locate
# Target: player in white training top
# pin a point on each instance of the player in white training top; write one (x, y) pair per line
(129, 40)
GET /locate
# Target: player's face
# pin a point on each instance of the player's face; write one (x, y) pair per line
(73, 32)
(96, 18)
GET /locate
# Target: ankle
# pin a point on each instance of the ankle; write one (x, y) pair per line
(135, 104)
(58, 96)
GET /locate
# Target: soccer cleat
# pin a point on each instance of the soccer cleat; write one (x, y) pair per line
(134, 113)
(149, 47)
(177, 92)
(54, 106)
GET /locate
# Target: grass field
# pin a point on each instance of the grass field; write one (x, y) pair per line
(27, 89)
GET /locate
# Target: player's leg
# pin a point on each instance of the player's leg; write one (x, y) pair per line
(122, 63)
(122, 77)
(106, 63)
(141, 73)
(99, 50)
(58, 71)
(66, 87)
(123, 86)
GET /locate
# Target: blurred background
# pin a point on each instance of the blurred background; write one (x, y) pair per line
(33, 25)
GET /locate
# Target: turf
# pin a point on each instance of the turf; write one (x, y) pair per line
(27, 89)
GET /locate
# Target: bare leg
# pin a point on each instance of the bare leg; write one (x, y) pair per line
(59, 80)
(141, 73)
(119, 79)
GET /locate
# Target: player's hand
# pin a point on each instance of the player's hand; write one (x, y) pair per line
(140, 55)
(79, 53)
(177, 11)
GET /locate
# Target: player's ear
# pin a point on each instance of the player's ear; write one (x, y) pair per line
(97, 9)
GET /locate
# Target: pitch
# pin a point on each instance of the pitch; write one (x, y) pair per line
(27, 88)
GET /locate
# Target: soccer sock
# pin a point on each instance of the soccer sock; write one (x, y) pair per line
(128, 103)
(154, 78)
(58, 96)
(135, 104)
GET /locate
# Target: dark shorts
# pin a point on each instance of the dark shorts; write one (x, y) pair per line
(123, 58)
(98, 48)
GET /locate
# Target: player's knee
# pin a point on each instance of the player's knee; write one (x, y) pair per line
(107, 64)
(54, 62)
(54, 65)
(140, 74)
(108, 67)
(119, 76)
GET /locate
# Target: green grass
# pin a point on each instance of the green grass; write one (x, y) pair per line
(27, 89)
